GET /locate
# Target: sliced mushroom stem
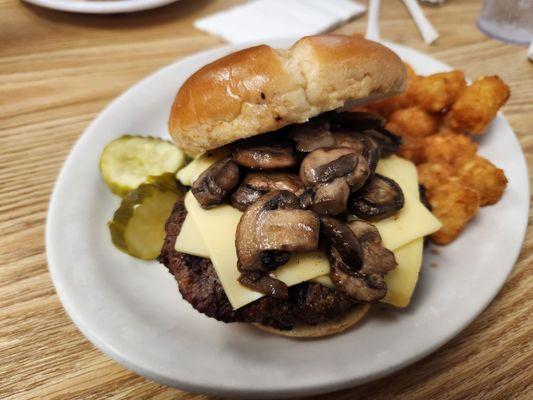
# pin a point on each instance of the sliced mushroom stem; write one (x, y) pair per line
(215, 184)
(370, 125)
(330, 198)
(366, 283)
(306, 199)
(274, 224)
(326, 164)
(337, 168)
(312, 135)
(272, 259)
(332, 173)
(380, 198)
(344, 241)
(376, 258)
(368, 153)
(296, 230)
(244, 196)
(265, 284)
(257, 184)
(388, 142)
(359, 286)
(265, 157)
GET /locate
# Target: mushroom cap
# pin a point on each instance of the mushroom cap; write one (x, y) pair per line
(272, 225)
(261, 89)
(214, 185)
(256, 184)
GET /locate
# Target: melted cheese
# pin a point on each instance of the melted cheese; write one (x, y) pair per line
(190, 240)
(188, 174)
(401, 281)
(414, 220)
(211, 234)
(403, 171)
(217, 228)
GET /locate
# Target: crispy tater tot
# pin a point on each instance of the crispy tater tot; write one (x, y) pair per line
(437, 92)
(387, 106)
(432, 175)
(446, 147)
(480, 174)
(413, 121)
(454, 204)
(477, 105)
(413, 149)
(443, 130)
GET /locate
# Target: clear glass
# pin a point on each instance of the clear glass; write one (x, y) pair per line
(507, 20)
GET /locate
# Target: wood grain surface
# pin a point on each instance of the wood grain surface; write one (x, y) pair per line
(58, 71)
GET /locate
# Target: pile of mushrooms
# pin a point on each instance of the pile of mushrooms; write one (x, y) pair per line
(297, 188)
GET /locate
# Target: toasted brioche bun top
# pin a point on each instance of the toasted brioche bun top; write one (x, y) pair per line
(261, 89)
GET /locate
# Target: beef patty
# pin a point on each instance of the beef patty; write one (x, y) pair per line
(308, 304)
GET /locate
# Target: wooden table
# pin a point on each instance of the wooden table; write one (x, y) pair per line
(58, 71)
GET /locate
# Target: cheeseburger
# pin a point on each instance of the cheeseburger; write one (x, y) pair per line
(280, 226)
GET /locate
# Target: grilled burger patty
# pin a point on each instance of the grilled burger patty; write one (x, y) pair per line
(308, 304)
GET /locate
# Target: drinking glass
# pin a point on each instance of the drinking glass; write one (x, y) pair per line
(507, 20)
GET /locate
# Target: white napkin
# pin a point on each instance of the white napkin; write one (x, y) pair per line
(271, 19)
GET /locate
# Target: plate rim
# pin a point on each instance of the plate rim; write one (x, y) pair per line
(230, 390)
(100, 7)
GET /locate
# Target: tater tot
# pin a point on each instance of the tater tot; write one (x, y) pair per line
(437, 92)
(443, 130)
(477, 105)
(387, 106)
(431, 175)
(413, 149)
(454, 204)
(413, 122)
(480, 174)
(446, 147)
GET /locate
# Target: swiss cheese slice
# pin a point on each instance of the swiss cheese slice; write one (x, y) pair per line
(190, 241)
(217, 227)
(414, 220)
(188, 174)
(403, 171)
(401, 281)
(211, 234)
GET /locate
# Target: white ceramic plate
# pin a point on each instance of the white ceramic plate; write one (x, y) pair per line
(132, 310)
(100, 7)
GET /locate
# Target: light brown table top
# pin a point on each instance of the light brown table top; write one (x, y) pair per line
(59, 70)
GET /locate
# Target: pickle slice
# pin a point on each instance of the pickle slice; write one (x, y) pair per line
(138, 225)
(127, 162)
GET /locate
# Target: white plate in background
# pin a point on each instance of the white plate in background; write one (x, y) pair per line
(132, 309)
(99, 6)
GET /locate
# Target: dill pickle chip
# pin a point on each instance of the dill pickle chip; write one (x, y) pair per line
(138, 225)
(128, 161)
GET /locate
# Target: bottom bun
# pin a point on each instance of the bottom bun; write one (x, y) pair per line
(326, 328)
